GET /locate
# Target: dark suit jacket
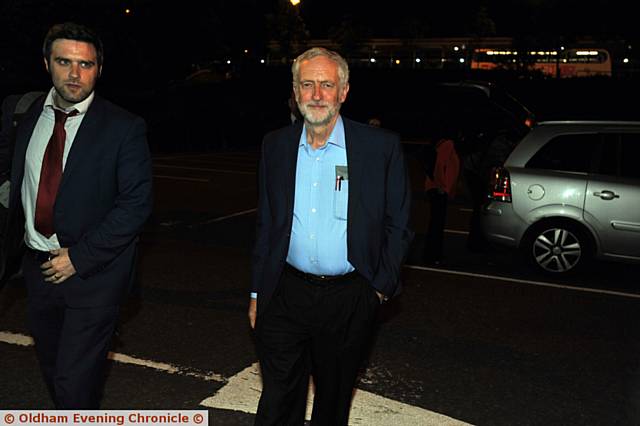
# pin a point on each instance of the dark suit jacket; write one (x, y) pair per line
(378, 235)
(104, 198)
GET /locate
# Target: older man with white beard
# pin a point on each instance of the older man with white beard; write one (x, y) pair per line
(332, 233)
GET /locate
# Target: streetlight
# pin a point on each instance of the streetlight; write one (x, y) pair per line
(294, 2)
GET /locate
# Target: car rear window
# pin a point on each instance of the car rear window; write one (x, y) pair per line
(569, 153)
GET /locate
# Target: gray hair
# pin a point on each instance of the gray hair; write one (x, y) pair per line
(343, 67)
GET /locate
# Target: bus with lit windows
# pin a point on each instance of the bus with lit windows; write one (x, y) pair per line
(563, 63)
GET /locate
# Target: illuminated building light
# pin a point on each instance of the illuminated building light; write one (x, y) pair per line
(397, 61)
(228, 61)
(127, 11)
(625, 60)
(461, 60)
(372, 60)
(456, 48)
(262, 61)
(418, 60)
(294, 2)
(246, 50)
(587, 52)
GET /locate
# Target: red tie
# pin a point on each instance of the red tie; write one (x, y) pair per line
(50, 175)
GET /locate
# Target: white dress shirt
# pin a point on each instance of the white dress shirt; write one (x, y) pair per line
(33, 164)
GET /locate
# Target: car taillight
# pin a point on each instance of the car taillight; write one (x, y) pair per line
(529, 122)
(500, 185)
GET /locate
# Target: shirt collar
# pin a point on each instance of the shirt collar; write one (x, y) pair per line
(81, 107)
(336, 137)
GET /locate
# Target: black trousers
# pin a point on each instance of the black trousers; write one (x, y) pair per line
(71, 343)
(435, 230)
(318, 329)
(477, 186)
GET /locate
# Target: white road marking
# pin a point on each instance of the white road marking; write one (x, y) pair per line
(190, 179)
(15, 339)
(24, 340)
(455, 231)
(529, 282)
(203, 169)
(219, 219)
(242, 392)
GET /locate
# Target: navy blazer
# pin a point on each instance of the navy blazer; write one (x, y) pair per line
(378, 234)
(103, 201)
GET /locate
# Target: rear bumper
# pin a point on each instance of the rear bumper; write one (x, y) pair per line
(501, 225)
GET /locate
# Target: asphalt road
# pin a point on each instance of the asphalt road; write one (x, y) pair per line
(481, 340)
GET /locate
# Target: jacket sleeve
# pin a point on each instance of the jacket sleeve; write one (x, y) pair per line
(132, 206)
(6, 130)
(263, 222)
(398, 236)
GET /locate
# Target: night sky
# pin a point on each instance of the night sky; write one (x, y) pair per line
(158, 41)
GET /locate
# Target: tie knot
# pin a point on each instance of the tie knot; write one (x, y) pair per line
(62, 116)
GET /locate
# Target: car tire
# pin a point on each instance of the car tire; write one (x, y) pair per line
(557, 247)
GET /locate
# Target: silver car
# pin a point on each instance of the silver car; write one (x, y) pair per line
(568, 192)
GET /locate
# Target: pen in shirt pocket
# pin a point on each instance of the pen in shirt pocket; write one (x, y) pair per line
(339, 183)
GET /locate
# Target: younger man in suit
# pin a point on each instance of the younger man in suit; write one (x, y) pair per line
(80, 194)
(332, 233)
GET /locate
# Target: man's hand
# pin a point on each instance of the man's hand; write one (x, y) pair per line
(59, 268)
(253, 309)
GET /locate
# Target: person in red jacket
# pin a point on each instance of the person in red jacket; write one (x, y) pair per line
(440, 185)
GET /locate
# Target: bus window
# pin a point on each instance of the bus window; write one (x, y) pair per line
(566, 63)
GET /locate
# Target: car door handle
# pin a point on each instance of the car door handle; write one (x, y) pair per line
(606, 195)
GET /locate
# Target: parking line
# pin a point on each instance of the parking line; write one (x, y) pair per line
(454, 231)
(24, 340)
(229, 216)
(529, 282)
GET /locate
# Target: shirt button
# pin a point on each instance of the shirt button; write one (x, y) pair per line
(313, 210)
(317, 158)
(315, 183)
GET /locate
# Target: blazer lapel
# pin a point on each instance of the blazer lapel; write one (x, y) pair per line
(355, 163)
(292, 145)
(87, 134)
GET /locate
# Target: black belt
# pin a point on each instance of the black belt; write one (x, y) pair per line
(320, 279)
(40, 256)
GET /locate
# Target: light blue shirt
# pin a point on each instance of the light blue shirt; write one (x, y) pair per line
(319, 232)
